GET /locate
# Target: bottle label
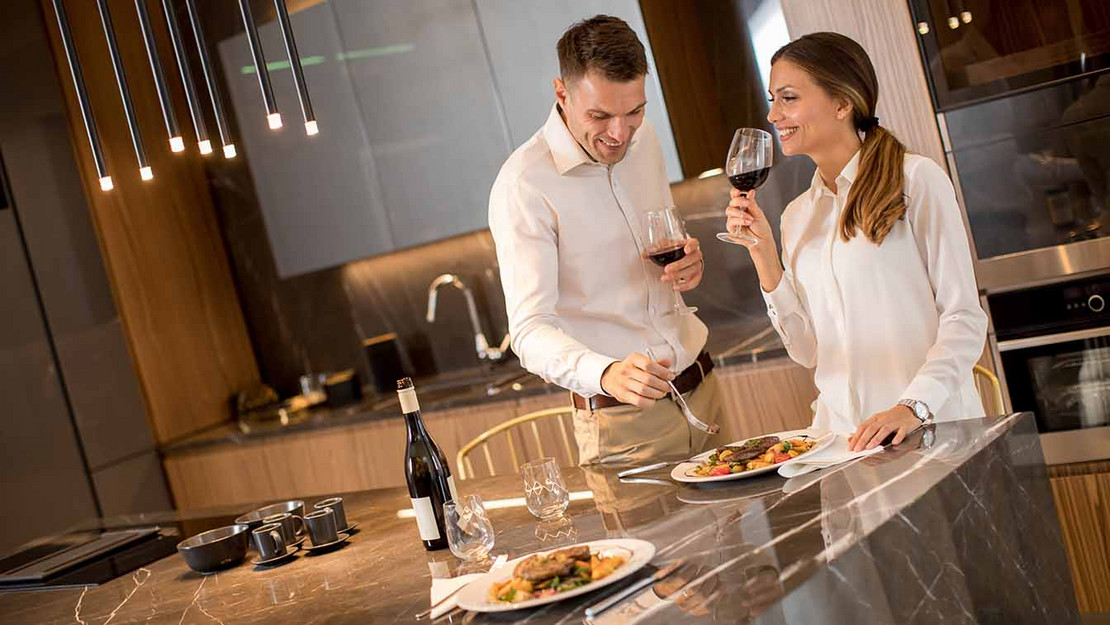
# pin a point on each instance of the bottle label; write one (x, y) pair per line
(451, 487)
(408, 400)
(425, 518)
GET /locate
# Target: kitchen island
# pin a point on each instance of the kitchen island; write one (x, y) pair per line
(956, 524)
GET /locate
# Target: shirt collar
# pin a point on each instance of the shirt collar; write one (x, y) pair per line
(843, 181)
(564, 148)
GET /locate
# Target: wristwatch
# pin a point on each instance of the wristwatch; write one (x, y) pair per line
(920, 410)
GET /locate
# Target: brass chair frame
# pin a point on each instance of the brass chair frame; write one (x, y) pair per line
(999, 403)
(466, 467)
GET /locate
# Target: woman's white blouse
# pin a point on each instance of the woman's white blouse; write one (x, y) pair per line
(881, 323)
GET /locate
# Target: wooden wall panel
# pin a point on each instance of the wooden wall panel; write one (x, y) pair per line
(160, 240)
(885, 29)
(1083, 503)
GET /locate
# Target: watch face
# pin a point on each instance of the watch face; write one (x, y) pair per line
(920, 410)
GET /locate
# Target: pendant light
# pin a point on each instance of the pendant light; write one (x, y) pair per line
(82, 96)
(200, 128)
(273, 116)
(310, 126)
(145, 172)
(210, 81)
(177, 143)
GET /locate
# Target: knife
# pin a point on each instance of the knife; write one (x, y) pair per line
(596, 609)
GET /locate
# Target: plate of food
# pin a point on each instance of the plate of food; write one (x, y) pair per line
(549, 576)
(750, 457)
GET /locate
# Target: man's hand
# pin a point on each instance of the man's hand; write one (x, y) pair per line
(871, 432)
(685, 273)
(637, 380)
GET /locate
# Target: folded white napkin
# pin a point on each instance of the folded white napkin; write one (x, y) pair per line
(834, 452)
(443, 586)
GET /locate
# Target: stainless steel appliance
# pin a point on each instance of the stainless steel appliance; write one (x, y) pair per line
(1022, 90)
(1054, 347)
(1032, 172)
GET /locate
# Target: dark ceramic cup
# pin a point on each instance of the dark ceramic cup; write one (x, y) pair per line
(321, 527)
(269, 542)
(336, 505)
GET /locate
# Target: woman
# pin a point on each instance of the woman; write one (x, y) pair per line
(876, 287)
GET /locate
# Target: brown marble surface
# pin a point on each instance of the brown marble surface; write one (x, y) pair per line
(956, 524)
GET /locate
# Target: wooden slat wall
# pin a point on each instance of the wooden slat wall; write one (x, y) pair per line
(160, 240)
(885, 29)
(1082, 493)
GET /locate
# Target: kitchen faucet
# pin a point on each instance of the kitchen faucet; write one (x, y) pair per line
(481, 344)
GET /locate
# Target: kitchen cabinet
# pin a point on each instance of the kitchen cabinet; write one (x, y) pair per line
(411, 133)
(520, 38)
(1082, 493)
(758, 398)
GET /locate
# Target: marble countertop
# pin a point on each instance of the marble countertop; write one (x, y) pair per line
(955, 524)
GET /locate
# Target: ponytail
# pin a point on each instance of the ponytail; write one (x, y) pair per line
(876, 200)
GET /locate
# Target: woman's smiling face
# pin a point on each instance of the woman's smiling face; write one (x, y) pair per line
(806, 116)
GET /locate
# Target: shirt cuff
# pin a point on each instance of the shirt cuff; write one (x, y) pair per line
(590, 370)
(783, 301)
(928, 390)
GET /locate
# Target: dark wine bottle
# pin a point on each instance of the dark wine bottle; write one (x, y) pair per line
(426, 471)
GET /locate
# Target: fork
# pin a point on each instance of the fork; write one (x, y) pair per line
(686, 412)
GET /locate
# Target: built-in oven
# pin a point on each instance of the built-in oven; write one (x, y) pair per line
(1022, 94)
(1054, 348)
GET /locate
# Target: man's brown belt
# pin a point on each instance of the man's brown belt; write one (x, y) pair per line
(685, 382)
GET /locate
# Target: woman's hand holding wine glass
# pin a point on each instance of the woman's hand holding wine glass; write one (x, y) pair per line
(744, 212)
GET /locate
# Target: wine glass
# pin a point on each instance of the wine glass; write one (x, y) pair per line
(545, 493)
(469, 532)
(665, 238)
(747, 166)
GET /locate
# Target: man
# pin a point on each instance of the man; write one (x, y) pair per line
(584, 306)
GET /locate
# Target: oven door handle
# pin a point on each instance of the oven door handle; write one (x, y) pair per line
(1052, 339)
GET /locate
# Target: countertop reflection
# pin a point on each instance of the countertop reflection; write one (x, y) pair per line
(957, 523)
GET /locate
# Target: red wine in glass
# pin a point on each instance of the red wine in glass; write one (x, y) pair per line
(667, 256)
(747, 166)
(664, 238)
(751, 180)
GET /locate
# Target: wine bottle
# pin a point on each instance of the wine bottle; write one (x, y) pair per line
(426, 471)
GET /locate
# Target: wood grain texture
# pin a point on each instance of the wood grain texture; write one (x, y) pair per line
(160, 241)
(687, 78)
(885, 29)
(1083, 505)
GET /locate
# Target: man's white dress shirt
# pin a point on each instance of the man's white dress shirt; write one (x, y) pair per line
(901, 320)
(578, 291)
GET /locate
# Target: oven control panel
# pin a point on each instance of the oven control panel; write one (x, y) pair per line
(1063, 307)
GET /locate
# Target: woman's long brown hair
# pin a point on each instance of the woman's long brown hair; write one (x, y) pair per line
(842, 68)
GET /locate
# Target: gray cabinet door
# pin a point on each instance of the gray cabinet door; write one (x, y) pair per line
(521, 37)
(430, 111)
(411, 135)
(43, 476)
(321, 196)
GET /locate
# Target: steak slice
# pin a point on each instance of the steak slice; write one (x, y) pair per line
(538, 568)
(750, 449)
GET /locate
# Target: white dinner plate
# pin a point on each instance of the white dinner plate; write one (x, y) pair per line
(475, 595)
(685, 471)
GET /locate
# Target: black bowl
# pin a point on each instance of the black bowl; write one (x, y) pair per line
(215, 549)
(254, 517)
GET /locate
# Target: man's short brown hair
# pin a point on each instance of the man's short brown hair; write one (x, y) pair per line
(602, 43)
